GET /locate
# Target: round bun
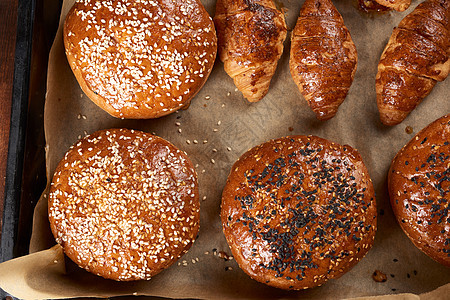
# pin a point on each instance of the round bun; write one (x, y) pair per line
(140, 59)
(124, 204)
(297, 211)
(419, 189)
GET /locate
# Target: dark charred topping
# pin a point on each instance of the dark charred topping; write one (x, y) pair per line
(303, 203)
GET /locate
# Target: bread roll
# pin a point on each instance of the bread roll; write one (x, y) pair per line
(415, 58)
(298, 211)
(140, 59)
(124, 204)
(419, 189)
(398, 5)
(323, 57)
(251, 35)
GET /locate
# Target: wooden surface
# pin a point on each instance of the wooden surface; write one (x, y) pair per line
(8, 21)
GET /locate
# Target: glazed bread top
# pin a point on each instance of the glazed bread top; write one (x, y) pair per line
(298, 211)
(140, 59)
(419, 189)
(124, 204)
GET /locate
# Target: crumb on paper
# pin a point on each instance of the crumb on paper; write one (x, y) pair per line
(379, 276)
(409, 129)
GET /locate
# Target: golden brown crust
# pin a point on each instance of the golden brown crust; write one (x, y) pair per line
(124, 204)
(140, 60)
(323, 57)
(297, 211)
(398, 5)
(250, 37)
(419, 189)
(416, 56)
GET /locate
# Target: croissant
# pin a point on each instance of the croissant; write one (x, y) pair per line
(250, 43)
(415, 58)
(323, 57)
(398, 5)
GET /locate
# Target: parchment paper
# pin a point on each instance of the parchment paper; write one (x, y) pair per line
(218, 127)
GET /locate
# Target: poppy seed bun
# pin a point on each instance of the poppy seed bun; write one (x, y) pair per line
(140, 59)
(124, 204)
(419, 189)
(297, 211)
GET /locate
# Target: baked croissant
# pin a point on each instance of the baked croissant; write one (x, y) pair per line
(415, 58)
(398, 5)
(250, 43)
(323, 57)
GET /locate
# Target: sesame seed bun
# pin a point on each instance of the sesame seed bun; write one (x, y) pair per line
(419, 189)
(140, 59)
(297, 211)
(124, 204)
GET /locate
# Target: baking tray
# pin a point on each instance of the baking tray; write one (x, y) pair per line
(26, 159)
(37, 22)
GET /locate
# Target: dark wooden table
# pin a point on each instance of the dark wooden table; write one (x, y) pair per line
(27, 28)
(8, 27)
